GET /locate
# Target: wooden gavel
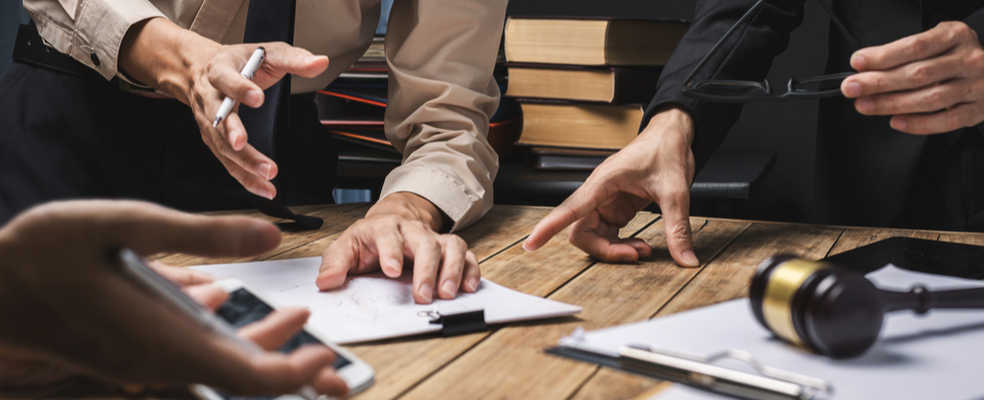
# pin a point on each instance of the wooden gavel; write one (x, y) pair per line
(834, 311)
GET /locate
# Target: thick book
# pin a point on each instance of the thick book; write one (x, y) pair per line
(579, 125)
(591, 41)
(612, 85)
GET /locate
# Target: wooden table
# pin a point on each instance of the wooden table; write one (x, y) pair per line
(508, 361)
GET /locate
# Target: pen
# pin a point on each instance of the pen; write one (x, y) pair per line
(136, 269)
(711, 377)
(250, 69)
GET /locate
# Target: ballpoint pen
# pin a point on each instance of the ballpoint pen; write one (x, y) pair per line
(250, 69)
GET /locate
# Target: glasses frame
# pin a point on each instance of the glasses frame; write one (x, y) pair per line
(792, 93)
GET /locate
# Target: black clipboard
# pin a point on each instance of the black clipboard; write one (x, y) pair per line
(920, 255)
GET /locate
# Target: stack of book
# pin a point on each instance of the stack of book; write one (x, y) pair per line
(353, 107)
(582, 83)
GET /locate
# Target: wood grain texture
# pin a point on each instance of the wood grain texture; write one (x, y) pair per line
(710, 238)
(512, 361)
(973, 238)
(337, 217)
(727, 276)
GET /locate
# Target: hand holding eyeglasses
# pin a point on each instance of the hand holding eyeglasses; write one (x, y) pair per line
(930, 82)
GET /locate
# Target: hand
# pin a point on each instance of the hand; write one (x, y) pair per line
(201, 73)
(657, 166)
(403, 226)
(930, 82)
(65, 305)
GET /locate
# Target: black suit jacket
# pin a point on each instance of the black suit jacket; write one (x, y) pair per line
(866, 173)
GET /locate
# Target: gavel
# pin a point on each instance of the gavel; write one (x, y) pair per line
(831, 310)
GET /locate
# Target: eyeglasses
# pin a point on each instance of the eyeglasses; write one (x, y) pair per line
(736, 91)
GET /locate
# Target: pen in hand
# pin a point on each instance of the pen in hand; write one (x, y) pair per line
(250, 69)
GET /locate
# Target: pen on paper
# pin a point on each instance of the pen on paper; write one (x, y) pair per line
(250, 69)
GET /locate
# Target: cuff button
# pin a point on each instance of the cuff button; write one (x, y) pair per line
(94, 58)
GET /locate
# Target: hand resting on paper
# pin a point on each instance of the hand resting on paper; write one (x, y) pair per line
(400, 229)
(66, 312)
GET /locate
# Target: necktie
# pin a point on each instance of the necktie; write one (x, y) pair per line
(272, 21)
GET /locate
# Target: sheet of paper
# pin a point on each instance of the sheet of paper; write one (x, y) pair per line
(936, 356)
(372, 307)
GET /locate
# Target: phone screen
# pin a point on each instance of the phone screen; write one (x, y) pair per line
(244, 308)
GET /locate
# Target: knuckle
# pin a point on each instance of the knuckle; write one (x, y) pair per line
(680, 231)
(922, 74)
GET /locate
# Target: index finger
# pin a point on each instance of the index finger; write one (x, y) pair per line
(578, 205)
(150, 229)
(906, 50)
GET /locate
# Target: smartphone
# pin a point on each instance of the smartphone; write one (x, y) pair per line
(247, 305)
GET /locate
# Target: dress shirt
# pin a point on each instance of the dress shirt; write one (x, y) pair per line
(441, 56)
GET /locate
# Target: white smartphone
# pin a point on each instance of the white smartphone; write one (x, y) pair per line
(246, 305)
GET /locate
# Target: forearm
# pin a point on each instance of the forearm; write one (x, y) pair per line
(163, 55)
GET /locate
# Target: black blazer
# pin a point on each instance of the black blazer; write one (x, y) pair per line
(866, 173)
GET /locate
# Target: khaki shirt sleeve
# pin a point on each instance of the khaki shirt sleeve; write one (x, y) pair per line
(441, 94)
(91, 31)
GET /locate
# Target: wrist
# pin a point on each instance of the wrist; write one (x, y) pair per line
(158, 53)
(670, 123)
(412, 207)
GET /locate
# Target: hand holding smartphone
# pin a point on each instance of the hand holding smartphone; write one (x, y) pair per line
(243, 307)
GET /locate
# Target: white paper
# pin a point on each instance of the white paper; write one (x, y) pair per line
(936, 356)
(371, 307)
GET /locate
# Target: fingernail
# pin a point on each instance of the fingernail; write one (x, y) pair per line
(898, 124)
(253, 98)
(853, 89)
(265, 194)
(865, 105)
(472, 284)
(450, 288)
(264, 170)
(858, 62)
(426, 292)
(393, 268)
(690, 260)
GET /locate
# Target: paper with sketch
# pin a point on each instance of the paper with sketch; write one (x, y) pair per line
(936, 356)
(371, 307)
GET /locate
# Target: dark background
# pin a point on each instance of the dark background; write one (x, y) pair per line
(787, 128)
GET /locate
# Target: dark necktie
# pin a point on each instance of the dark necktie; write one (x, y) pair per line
(272, 21)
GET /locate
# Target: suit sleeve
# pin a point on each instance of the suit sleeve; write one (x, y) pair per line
(747, 55)
(441, 95)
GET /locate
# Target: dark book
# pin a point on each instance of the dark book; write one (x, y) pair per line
(612, 85)
(591, 41)
(564, 159)
(579, 125)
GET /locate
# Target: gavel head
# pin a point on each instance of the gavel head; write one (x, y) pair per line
(820, 306)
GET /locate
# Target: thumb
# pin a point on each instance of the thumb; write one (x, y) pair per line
(287, 59)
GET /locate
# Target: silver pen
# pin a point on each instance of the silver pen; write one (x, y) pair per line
(249, 70)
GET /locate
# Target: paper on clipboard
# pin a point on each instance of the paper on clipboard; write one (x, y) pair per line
(936, 356)
(372, 307)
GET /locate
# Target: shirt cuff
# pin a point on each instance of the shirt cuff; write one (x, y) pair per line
(99, 30)
(448, 194)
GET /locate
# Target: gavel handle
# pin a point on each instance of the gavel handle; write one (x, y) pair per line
(921, 300)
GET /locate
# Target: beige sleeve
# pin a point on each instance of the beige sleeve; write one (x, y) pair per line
(441, 56)
(90, 31)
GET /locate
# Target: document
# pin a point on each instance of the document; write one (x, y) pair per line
(939, 355)
(373, 306)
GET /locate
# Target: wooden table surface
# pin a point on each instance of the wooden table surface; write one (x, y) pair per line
(508, 361)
